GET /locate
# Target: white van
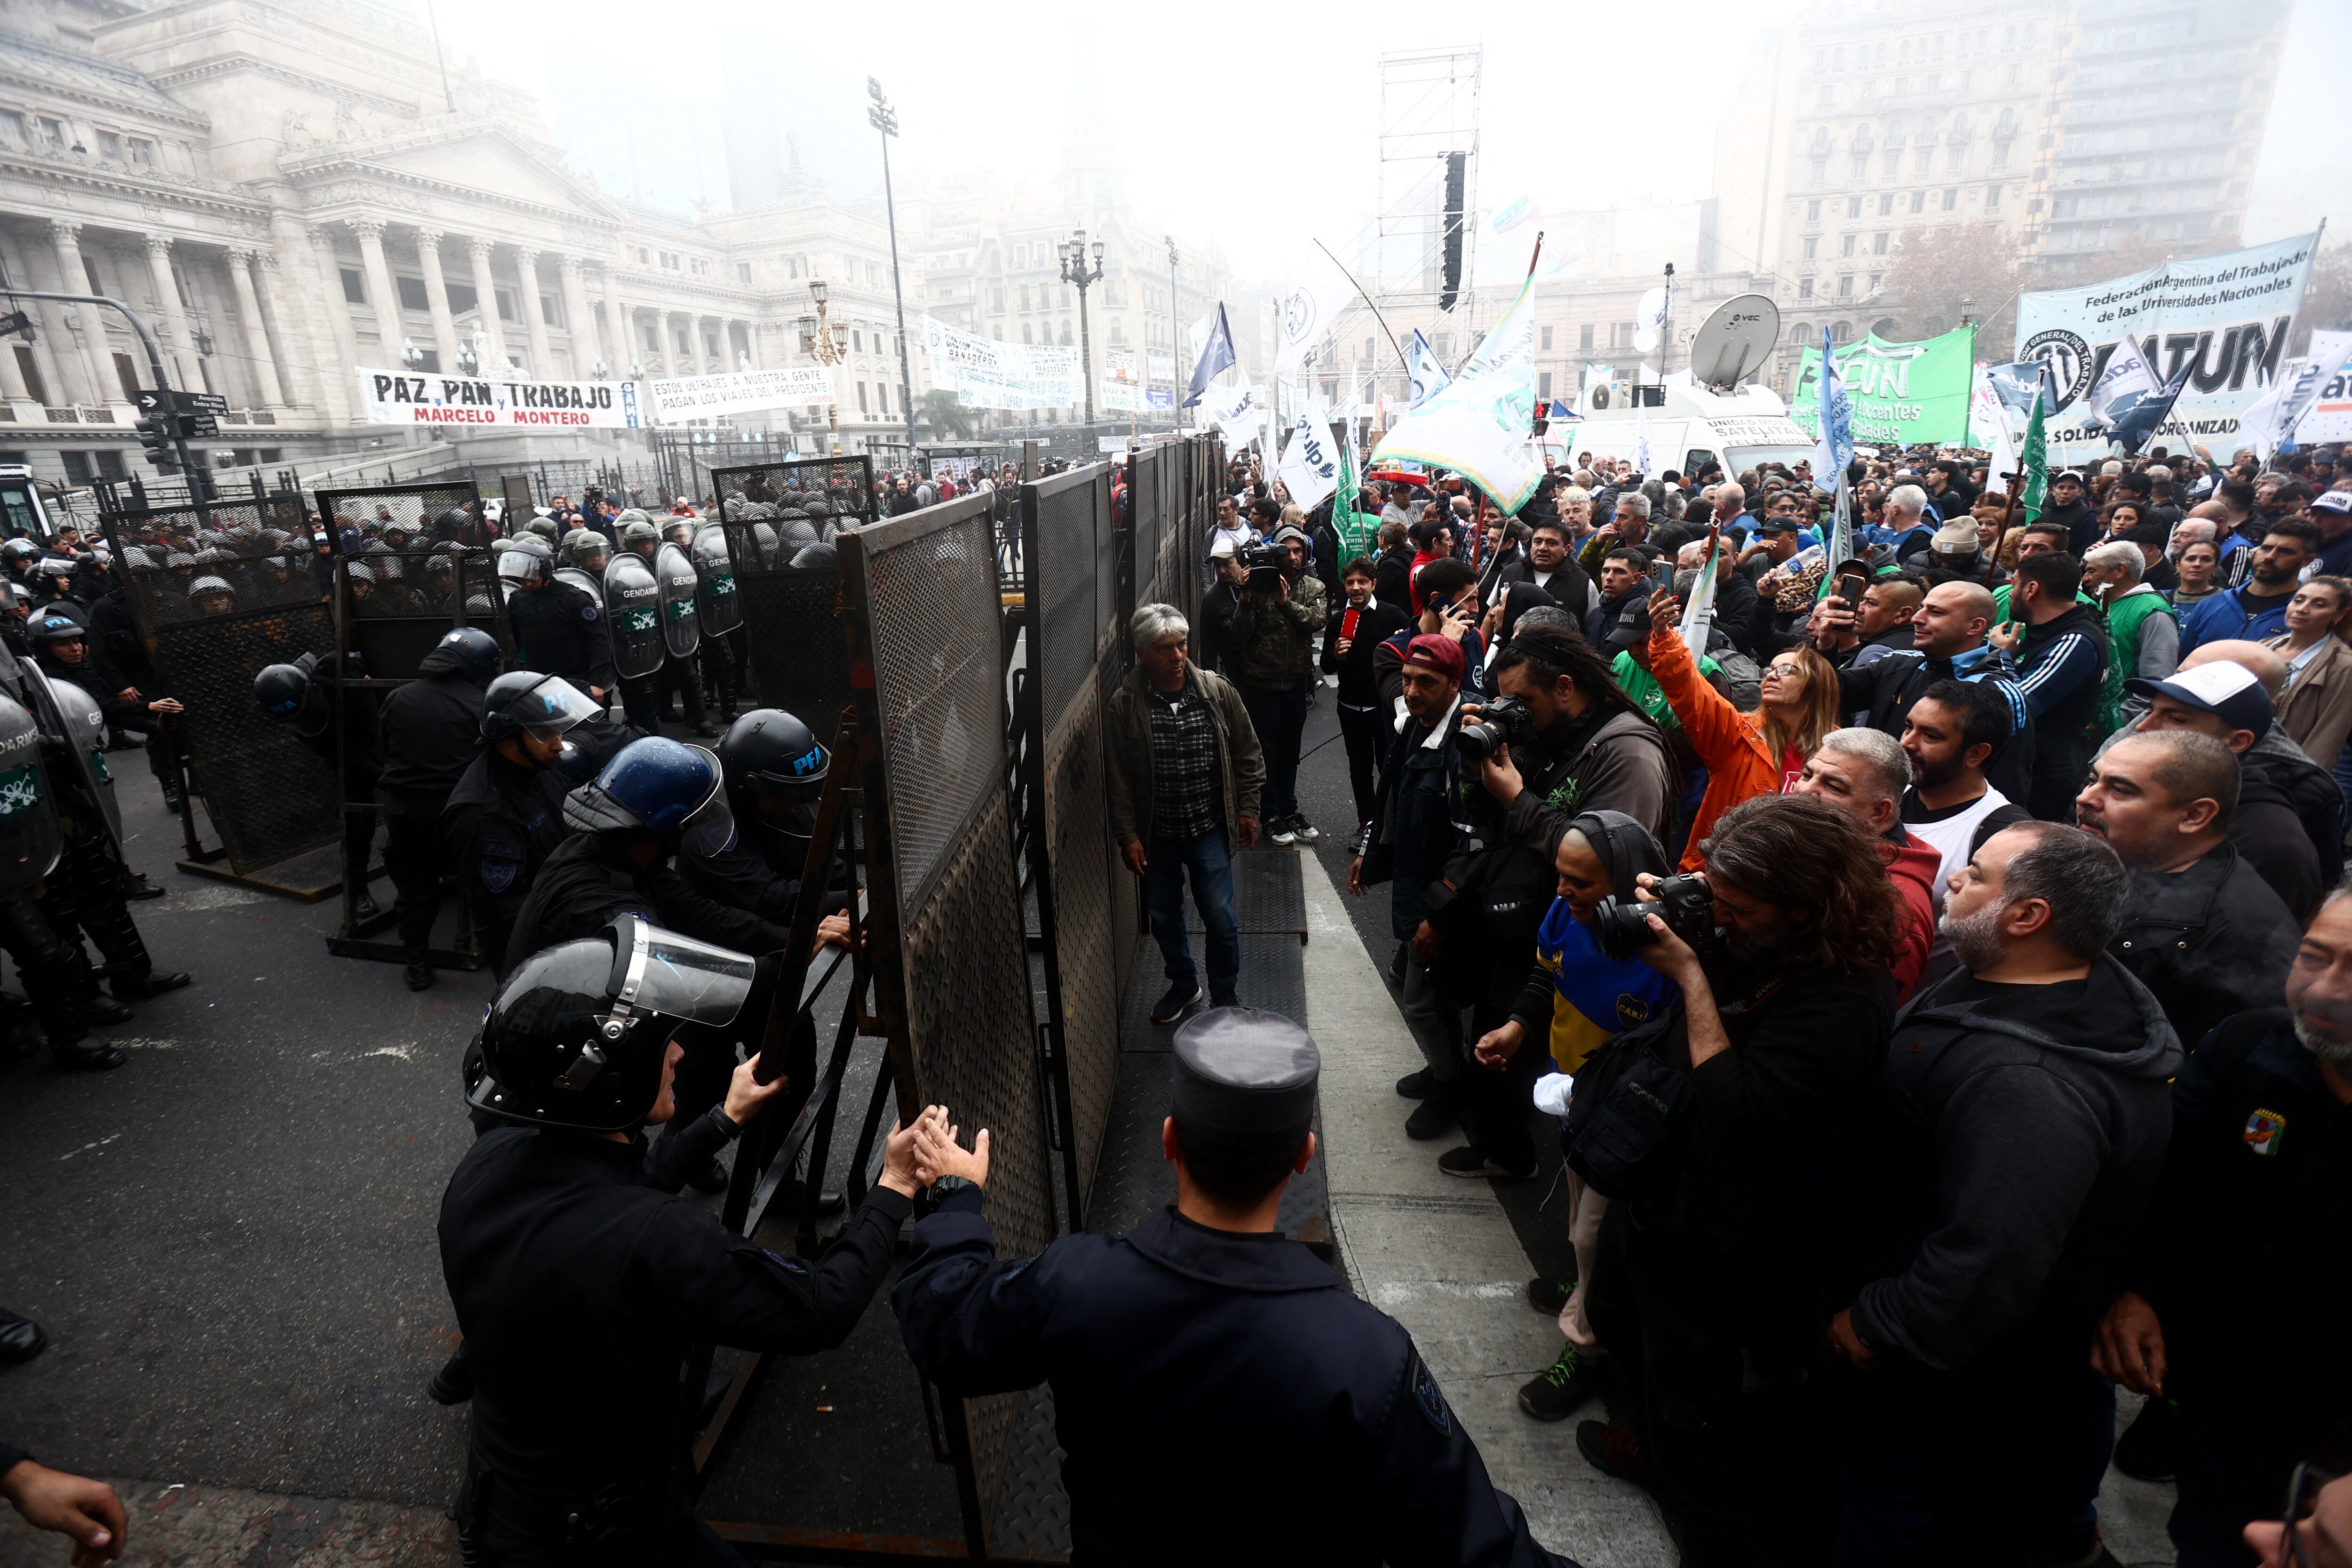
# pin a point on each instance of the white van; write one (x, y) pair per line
(1695, 428)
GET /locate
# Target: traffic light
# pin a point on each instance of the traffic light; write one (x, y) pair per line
(155, 436)
(207, 491)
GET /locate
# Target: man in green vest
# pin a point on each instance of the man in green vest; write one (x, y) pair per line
(2143, 629)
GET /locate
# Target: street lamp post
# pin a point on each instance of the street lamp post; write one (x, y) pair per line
(827, 343)
(1075, 270)
(1175, 356)
(885, 118)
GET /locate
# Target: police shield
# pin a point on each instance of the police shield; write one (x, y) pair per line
(586, 582)
(79, 715)
(715, 601)
(30, 841)
(681, 627)
(633, 615)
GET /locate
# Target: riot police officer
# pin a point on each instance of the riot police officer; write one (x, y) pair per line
(579, 1284)
(505, 815)
(428, 735)
(678, 672)
(775, 769)
(62, 648)
(558, 627)
(297, 696)
(55, 971)
(1208, 1374)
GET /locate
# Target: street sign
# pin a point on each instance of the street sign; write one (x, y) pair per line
(153, 402)
(15, 322)
(201, 402)
(198, 427)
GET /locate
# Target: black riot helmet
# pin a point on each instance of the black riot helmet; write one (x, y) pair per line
(768, 751)
(579, 1034)
(470, 649)
(546, 705)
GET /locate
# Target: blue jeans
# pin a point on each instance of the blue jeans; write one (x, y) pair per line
(1209, 860)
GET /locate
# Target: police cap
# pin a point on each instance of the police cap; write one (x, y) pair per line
(1244, 1082)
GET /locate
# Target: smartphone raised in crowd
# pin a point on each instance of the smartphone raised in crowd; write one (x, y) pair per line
(1851, 588)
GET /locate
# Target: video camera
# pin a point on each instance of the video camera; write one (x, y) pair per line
(1623, 925)
(1264, 562)
(1506, 721)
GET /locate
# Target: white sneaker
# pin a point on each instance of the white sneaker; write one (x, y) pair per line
(1283, 832)
(1305, 830)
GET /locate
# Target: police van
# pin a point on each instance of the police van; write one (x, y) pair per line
(1690, 426)
(22, 515)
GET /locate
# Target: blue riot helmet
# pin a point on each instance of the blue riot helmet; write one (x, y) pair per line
(526, 700)
(580, 1032)
(661, 786)
(475, 651)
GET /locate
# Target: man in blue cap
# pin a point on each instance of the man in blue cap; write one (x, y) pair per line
(1209, 1373)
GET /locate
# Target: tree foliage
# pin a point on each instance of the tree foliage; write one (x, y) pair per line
(1935, 270)
(947, 417)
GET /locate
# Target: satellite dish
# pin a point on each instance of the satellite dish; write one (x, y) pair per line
(1735, 340)
(1645, 338)
(1651, 314)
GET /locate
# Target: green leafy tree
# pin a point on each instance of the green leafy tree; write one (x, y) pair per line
(949, 419)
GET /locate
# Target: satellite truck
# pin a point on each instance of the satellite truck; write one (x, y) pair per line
(1703, 417)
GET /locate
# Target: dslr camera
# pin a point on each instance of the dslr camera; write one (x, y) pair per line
(1506, 720)
(1623, 925)
(1264, 562)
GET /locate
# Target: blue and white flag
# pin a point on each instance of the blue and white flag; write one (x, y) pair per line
(1835, 450)
(2125, 382)
(2134, 425)
(1429, 377)
(1216, 356)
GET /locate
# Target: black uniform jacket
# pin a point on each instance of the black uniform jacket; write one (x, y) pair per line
(501, 823)
(1205, 1383)
(579, 1287)
(430, 730)
(560, 630)
(588, 880)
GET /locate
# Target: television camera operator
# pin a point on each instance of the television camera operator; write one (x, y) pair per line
(1704, 1128)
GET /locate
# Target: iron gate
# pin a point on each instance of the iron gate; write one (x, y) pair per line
(268, 797)
(407, 582)
(952, 975)
(771, 513)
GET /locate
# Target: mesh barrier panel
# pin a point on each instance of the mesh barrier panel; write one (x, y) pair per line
(413, 568)
(792, 627)
(924, 592)
(219, 593)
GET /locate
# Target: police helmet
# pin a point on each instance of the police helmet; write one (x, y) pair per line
(283, 690)
(662, 786)
(50, 628)
(634, 514)
(540, 527)
(638, 533)
(360, 571)
(580, 1033)
(477, 651)
(19, 550)
(769, 752)
(546, 705)
(55, 566)
(203, 587)
(526, 560)
(451, 521)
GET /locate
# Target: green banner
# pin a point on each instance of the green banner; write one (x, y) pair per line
(1903, 392)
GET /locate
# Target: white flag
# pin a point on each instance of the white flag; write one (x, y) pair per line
(1988, 427)
(1234, 410)
(1699, 616)
(1429, 377)
(1302, 319)
(2123, 383)
(1641, 440)
(2270, 423)
(1479, 424)
(1311, 464)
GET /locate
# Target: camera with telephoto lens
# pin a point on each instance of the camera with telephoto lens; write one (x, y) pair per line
(1506, 721)
(1622, 925)
(1264, 562)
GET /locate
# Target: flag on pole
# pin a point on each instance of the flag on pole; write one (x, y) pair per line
(2269, 424)
(2125, 382)
(1988, 426)
(1699, 616)
(1216, 356)
(1642, 441)
(1478, 424)
(1310, 466)
(1834, 448)
(1840, 538)
(1354, 537)
(1429, 377)
(2146, 417)
(2036, 456)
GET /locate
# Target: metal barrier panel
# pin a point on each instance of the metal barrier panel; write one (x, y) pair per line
(1143, 502)
(408, 575)
(947, 932)
(772, 512)
(266, 796)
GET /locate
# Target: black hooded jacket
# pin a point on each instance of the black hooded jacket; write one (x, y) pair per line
(1626, 849)
(2211, 940)
(2278, 781)
(430, 730)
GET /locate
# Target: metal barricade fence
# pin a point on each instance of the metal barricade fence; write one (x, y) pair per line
(775, 513)
(220, 591)
(410, 582)
(950, 968)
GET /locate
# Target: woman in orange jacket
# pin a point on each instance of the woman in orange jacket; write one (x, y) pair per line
(1745, 753)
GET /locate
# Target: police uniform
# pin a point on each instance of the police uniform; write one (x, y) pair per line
(429, 733)
(1221, 1398)
(355, 754)
(558, 629)
(501, 823)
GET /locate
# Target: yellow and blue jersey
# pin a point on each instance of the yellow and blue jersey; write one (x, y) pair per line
(1594, 996)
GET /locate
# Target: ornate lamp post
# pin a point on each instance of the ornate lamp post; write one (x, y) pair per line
(827, 343)
(1075, 270)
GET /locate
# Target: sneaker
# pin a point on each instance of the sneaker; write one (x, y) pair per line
(1282, 832)
(1472, 1162)
(1174, 1003)
(1416, 1084)
(2150, 1446)
(1614, 1451)
(1356, 839)
(1550, 1295)
(1434, 1117)
(1561, 1387)
(1303, 830)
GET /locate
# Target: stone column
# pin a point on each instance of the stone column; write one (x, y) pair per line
(85, 331)
(256, 339)
(12, 378)
(436, 298)
(341, 332)
(293, 379)
(382, 294)
(485, 297)
(179, 353)
(578, 320)
(543, 364)
(618, 324)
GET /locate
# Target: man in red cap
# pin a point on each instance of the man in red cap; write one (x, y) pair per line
(1414, 834)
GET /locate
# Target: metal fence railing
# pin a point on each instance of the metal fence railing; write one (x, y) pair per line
(783, 522)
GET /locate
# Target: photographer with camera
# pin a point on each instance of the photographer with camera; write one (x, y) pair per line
(1271, 658)
(1703, 1129)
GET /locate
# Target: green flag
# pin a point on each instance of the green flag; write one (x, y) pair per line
(1343, 502)
(2036, 458)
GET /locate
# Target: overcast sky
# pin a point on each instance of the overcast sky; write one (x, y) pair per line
(1255, 126)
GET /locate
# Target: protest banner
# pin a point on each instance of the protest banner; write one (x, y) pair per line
(2224, 318)
(1903, 392)
(394, 397)
(2330, 419)
(681, 397)
(986, 373)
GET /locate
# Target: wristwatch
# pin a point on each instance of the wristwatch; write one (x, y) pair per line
(947, 1184)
